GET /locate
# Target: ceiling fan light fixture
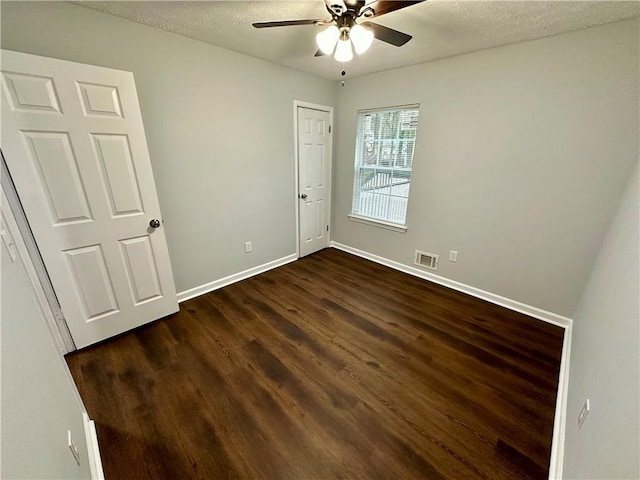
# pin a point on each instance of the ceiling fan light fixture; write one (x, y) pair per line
(361, 38)
(344, 53)
(327, 39)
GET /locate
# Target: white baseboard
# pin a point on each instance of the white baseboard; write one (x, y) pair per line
(93, 450)
(534, 312)
(236, 277)
(557, 445)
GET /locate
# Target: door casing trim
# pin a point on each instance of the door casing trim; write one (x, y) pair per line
(19, 228)
(62, 337)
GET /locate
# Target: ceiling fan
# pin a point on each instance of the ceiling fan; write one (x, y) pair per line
(346, 32)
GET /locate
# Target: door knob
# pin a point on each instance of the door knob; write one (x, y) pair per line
(303, 196)
(155, 223)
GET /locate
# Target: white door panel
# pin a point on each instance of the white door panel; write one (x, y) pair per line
(142, 274)
(74, 143)
(314, 157)
(119, 178)
(92, 281)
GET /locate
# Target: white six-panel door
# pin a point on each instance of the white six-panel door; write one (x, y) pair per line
(314, 179)
(74, 142)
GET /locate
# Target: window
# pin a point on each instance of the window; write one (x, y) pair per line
(384, 157)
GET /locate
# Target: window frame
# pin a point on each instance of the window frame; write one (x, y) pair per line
(358, 166)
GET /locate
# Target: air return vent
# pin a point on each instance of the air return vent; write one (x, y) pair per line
(427, 260)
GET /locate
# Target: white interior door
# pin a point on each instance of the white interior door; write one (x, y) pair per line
(314, 179)
(73, 140)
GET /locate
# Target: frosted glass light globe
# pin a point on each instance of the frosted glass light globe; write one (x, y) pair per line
(344, 53)
(361, 38)
(327, 39)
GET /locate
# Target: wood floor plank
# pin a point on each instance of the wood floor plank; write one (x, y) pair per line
(329, 367)
(519, 411)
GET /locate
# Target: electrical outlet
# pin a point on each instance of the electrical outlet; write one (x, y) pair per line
(73, 448)
(248, 247)
(583, 412)
(453, 255)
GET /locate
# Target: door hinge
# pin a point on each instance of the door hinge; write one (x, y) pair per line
(329, 128)
(327, 228)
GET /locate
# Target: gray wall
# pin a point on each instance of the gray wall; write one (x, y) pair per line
(605, 356)
(219, 127)
(39, 400)
(522, 154)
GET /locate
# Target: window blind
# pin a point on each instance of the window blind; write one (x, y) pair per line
(384, 158)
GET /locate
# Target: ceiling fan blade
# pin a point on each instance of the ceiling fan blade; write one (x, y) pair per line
(287, 23)
(388, 35)
(385, 6)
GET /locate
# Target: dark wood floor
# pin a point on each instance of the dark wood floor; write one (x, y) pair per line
(329, 367)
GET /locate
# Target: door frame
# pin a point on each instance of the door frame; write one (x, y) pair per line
(17, 225)
(323, 108)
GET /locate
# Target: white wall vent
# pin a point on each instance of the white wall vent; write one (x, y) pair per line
(427, 260)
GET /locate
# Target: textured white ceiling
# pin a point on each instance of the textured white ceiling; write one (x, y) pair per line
(440, 28)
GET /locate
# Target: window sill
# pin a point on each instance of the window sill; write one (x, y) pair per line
(378, 223)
